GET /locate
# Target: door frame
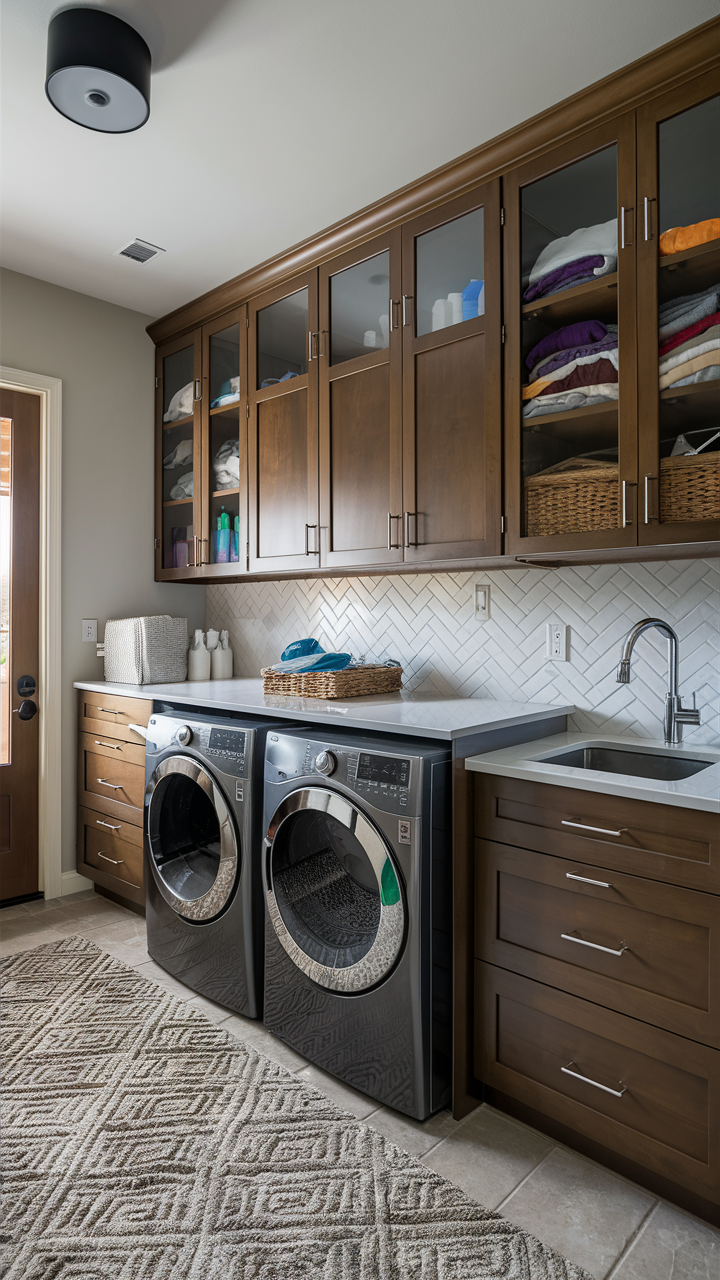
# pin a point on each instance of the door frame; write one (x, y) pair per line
(50, 877)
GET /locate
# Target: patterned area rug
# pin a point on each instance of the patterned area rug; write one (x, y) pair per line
(141, 1142)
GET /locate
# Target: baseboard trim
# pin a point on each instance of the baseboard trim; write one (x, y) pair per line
(73, 882)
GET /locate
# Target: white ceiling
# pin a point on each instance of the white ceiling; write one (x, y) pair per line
(271, 119)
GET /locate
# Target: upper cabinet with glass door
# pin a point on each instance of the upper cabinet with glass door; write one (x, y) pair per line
(178, 467)
(570, 352)
(224, 543)
(679, 330)
(360, 406)
(451, 316)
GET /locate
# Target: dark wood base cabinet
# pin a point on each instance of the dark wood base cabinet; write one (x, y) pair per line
(596, 1011)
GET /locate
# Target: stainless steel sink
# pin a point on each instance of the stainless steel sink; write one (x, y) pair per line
(637, 764)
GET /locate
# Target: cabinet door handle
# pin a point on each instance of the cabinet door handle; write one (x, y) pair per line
(115, 861)
(99, 822)
(601, 884)
(595, 1084)
(408, 516)
(582, 826)
(651, 502)
(198, 388)
(628, 503)
(582, 942)
(109, 711)
(114, 786)
(407, 308)
(308, 552)
(624, 243)
(111, 745)
(648, 218)
(392, 546)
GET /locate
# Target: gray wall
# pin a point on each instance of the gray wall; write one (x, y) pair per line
(105, 360)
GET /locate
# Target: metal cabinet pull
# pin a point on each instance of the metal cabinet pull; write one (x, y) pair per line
(198, 388)
(114, 786)
(115, 861)
(99, 822)
(109, 711)
(569, 937)
(648, 227)
(628, 503)
(408, 516)
(623, 242)
(111, 745)
(407, 308)
(602, 884)
(582, 826)
(392, 546)
(651, 503)
(616, 1093)
(308, 552)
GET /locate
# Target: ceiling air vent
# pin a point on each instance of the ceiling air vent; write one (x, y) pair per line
(139, 251)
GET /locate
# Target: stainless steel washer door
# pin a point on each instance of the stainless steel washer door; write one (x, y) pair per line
(332, 890)
(193, 846)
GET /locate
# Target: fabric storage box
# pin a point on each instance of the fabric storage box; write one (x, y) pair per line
(146, 650)
(576, 496)
(690, 488)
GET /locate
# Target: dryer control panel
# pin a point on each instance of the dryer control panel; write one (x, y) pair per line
(224, 747)
(384, 779)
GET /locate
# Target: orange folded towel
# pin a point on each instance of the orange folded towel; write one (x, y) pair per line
(679, 238)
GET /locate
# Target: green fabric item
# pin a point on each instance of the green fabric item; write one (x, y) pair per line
(389, 887)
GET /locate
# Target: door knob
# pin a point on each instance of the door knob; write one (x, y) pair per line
(26, 710)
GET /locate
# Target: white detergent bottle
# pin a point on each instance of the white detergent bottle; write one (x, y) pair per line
(198, 658)
(222, 659)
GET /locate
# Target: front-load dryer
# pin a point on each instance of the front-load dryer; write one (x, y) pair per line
(356, 876)
(203, 841)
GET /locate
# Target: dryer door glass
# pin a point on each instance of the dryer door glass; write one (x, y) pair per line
(193, 846)
(334, 895)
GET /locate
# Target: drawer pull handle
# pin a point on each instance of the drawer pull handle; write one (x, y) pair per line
(114, 786)
(602, 884)
(99, 822)
(109, 711)
(113, 746)
(115, 861)
(582, 826)
(616, 1093)
(569, 937)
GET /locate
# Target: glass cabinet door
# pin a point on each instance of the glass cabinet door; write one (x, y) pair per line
(179, 392)
(360, 406)
(679, 375)
(282, 427)
(451, 316)
(225, 452)
(570, 367)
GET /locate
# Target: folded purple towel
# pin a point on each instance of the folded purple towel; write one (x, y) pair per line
(554, 280)
(572, 335)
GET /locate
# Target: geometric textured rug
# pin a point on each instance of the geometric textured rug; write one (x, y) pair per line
(141, 1142)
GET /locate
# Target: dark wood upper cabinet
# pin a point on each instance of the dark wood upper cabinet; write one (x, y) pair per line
(282, 402)
(452, 397)
(679, 326)
(224, 446)
(360, 406)
(178, 458)
(571, 448)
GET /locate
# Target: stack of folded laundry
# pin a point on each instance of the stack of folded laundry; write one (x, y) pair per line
(678, 239)
(572, 368)
(229, 393)
(181, 405)
(690, 339)
(584, 255)
(226, 465)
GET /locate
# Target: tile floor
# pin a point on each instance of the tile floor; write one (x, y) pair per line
(616, 1230)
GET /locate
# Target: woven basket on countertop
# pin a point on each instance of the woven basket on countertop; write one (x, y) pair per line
(353, 682)
(690, 488)
(575, 496)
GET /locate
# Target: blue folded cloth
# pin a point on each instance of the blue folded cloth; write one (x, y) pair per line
(307, 655)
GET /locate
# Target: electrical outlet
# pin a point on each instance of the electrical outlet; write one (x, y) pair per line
(556, 643)
(89, 630)
(482, 601)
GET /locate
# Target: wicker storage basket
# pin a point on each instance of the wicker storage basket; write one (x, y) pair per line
(356, 682)
(576, 496)
(690, 488)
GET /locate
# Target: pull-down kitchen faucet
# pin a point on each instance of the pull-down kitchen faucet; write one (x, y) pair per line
(676, 715)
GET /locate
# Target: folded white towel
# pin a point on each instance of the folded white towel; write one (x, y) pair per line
(583, 243)
(183, 453)
(181, 404)
(183, 487)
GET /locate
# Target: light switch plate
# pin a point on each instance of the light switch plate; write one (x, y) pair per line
(482, 601)
(89, 630)
(556, 642)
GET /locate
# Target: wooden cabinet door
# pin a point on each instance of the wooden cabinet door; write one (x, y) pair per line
(571, 450)
(452, 380)
(224, 446)
(678, 404)
(283, 428)
(360, 398)
(178, 458)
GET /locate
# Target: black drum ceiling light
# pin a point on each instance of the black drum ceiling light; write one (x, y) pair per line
(98, 71)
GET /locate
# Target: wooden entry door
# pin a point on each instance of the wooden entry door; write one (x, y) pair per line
(19, 557)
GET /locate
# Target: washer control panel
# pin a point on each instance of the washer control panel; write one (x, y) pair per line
(384, 779)
(227, 748)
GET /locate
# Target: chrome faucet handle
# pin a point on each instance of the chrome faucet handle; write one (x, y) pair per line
(687, 715)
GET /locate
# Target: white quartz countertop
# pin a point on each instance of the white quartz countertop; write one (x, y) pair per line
(701, 791)
(417, 715)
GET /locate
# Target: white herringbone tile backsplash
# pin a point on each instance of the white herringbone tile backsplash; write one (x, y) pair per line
(427, 622)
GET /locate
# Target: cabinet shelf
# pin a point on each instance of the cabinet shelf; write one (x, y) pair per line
(224, 493)
(597, 299)
(690, 270)
(230, 408)
(697, 405)
(181, 422)
(576, 424)
(179, 502)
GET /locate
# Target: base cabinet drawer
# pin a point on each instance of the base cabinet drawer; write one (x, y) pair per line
(108, 783)
(660, 841)
(111, 852)
(639, 946)
(643, 1092)
(111, 713)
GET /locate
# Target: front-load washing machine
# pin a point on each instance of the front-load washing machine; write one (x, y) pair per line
(357, 883)
(203, 842)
